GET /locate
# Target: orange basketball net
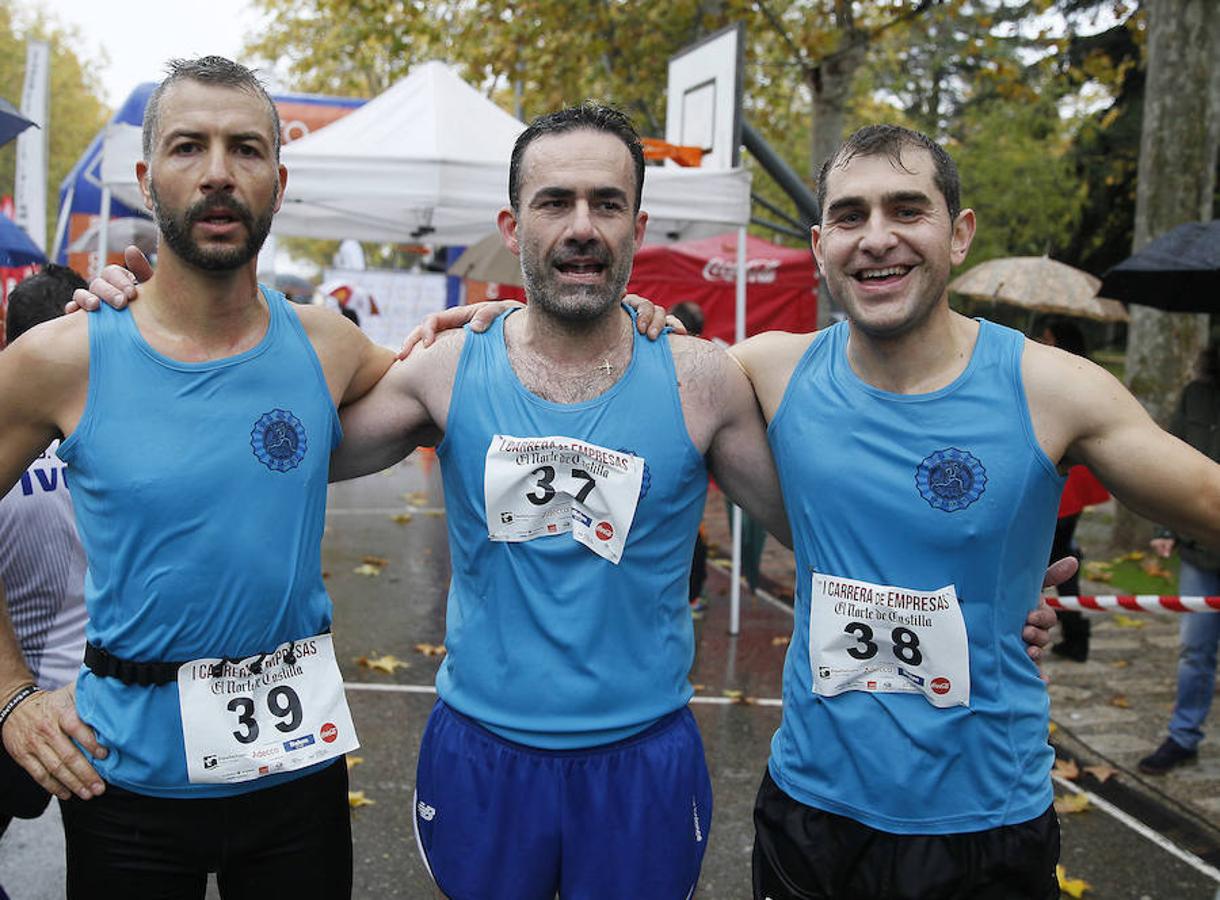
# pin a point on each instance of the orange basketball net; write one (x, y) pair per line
(655, 148)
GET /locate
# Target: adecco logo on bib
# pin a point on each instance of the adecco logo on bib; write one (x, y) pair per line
(940, 685)
(605, 531)
(330, 733)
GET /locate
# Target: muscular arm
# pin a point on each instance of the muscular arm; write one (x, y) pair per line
(407, 408)
(43, 383)
(724, 420)
(1082, 414)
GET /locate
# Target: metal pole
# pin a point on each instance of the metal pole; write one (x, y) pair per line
(103, 232)
(735, 588)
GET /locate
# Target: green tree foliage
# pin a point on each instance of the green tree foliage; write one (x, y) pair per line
(77, 111)
(986, 76)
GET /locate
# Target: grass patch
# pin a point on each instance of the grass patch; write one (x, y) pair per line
(1136, 573)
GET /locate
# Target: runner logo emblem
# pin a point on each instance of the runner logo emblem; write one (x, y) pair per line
(278, 440)
(328, 732)
(940, 685)
(950, 479)
(426, 812)
(605, 531)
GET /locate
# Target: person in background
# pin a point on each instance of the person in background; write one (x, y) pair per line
(1196, 421)
(1082, 489)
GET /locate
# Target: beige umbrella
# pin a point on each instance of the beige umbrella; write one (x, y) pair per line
(488, 260)
(1039, 284)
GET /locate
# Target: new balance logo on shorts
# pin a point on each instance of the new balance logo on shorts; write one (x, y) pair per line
(426, 812)
(694, 808)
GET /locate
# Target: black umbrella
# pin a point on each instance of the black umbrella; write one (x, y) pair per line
(1178, 272)
(12, 123)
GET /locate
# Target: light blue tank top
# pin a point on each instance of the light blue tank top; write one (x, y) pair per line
(549, 644)
(200, 495)
(859, 469)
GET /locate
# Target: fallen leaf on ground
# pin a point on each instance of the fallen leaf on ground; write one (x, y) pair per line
(1073, 887)
(353, 761)
(430, 649)
(699, 687)
(1121, 701)
(434, 513)
(416, 498)
(1099, 575)
(1053, 728)
(733, 695)
(402, 518)
(379, 561)
(1066, 768)
(356, 799)
(1073, 803)
(1119, 664)
(1153, 568)
(1133, 556)
(367, 570)
(782, 640)
(1128, 621)
(1101, 773)
(386, 663)
(325, 574)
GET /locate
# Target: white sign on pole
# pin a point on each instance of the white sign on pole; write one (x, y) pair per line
(30, 183)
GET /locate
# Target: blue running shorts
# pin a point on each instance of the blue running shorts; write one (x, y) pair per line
(496, 820)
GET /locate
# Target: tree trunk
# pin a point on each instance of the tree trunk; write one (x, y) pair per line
(1177, 167)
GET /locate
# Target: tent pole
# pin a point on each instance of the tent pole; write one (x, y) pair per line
(740, 335)
(61, 224)
(103, 231)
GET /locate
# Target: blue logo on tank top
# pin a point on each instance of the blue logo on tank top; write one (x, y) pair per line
(951, 479)
(646, 482)
(278, 440)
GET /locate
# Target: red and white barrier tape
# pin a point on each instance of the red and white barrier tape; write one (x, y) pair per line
(1137, 602)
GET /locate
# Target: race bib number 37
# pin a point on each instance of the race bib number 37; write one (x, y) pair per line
(539, 486)
(242, 721)
(886, 639)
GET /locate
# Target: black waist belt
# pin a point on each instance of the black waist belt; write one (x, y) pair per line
(145, 674)
(154, 674)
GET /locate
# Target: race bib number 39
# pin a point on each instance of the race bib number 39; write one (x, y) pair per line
(886, 639)
(539, 486)
(243, 721)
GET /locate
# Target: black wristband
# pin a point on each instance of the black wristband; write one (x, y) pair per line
(16, 700)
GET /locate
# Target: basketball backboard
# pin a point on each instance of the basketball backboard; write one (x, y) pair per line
(703, 97)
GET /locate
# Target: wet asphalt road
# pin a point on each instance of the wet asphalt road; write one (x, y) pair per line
(403, 606)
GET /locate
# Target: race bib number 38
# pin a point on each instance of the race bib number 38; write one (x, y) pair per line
(886, 639)
(241, 721)
(539, 486)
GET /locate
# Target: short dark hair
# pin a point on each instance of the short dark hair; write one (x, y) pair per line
(211, 70)
(690, 315)
(889, 141)
(591, 116)
(39, 299)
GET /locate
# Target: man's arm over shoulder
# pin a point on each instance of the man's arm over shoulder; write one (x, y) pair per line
(1083, 414)
(405, 409)
(351, 362)
(44, 381)
(724, 417)
(768, 360)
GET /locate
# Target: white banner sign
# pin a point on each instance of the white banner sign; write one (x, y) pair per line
(30, 183)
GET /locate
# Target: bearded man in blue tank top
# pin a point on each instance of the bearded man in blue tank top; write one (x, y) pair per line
(198, 429)
(912, 757)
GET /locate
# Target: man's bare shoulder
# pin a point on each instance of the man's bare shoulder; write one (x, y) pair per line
(59, 344)
(1054, 374)
(696, 358)
(772, 351)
